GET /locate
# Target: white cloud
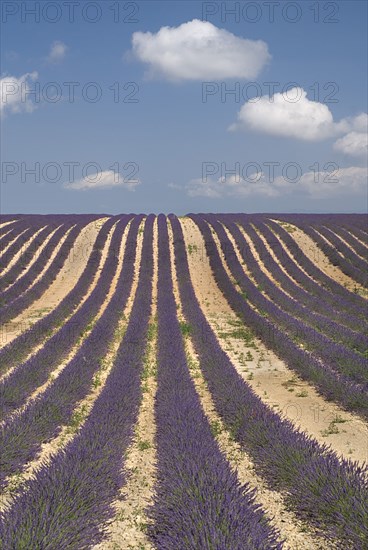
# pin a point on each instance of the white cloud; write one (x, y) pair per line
(198, 50)
(13, 93)
(347, 181)
(354, 144)
(291, 114)
(233, 186)
(102, 180)
(316, 185)
(57, 52)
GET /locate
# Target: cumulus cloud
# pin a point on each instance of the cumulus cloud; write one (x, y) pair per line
(355, 143)
(316, 185)
(358, 123)
(57, 52)
(344, 182)
(291, 114)
(102, 180)
(198, 50)
(13, 93)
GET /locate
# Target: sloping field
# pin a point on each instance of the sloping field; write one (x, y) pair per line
(183, 383)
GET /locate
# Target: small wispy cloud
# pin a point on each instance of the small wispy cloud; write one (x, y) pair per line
(106, 179)
(316, 185)
(13, 93)
(57, 52)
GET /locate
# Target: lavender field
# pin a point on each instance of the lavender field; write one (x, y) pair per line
(184, 383)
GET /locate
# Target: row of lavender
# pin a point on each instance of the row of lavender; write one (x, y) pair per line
(330, 232)
(23, 292)
(31, 374)
(75, 491)
(332, 384)
(26, 253)
(297, 321)
(25, 281)
(313, 279)
(338, 253)
(14, 353)
(23, 434)
(199, 502)
(322, 489)
(321, 293)
(322, 315)
(15, 238)
(29, 243)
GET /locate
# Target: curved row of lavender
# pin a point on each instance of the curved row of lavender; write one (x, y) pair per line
(31, 374)
(347, 310)
(343, 248)
(14, 352)
(325, 491)
(26, 280)
(352, 240)
(23, 434)
(59, 230)
(5, 233)
(9, 227)
(75, 492)
(14, 229)
(360, 233)
(337, 240)
(331, 384)
(25, 229)
(28, 252)
(331, 246)
(27, 225)
(313, 226)
(18, 303)
(198, 502)
(294, 295)
(334, 355)
(16, 239)
(329, 288)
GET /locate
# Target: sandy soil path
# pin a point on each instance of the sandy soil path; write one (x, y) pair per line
(3, 224)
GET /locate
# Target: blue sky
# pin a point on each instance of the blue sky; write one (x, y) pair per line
(158, 138)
